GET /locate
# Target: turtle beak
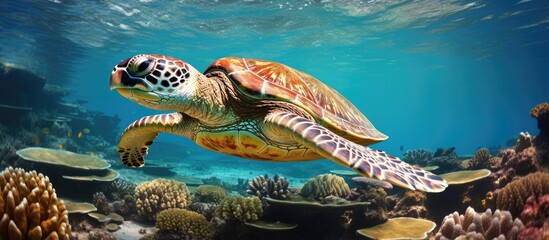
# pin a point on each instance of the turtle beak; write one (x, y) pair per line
(130, 87)
(116, 79)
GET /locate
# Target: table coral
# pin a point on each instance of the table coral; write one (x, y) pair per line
(240, 209)
(29, 207)
(325, 185)
(209, 194)
(187, 224)
(513, 196)
(154, 196)
(473, 225)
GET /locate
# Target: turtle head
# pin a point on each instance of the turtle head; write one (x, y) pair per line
(155, 81)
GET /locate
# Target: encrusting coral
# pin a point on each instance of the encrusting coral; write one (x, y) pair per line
(29, 207)
(262, 186)
(239, 208)
(154, 196)
(187, 223)
(325, 185)
(513, 196)
(209, 194)
(535, 217)
(473, 225)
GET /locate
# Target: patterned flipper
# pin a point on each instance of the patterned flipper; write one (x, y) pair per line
(366, 161)
(138, 136)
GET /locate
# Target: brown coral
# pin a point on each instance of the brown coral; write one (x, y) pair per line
(240, 209)
(325, 185)
(154, 196)
(184, 222)
(209, 194)
(473, 225)
(513, 196)
(29, 207)
(481, 159)
(541, 113)
(412, 204)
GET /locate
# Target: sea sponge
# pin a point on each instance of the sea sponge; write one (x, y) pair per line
(262, 186)
(513, 196)
(239, 208)
(473, 225)
(541, 113)
(481, 159)
(151, 197)
(325, 185)
(184, 222)
(209, 194)
(29, 207)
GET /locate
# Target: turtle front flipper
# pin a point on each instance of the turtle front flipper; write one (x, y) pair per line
(138, 136)
(364, 160)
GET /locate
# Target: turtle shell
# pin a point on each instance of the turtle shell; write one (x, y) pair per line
(270, 80)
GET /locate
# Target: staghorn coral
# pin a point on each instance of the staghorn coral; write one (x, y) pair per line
(187, 224)
(29, 207)
(473, 225)
(240, 209)
(154, 196)
(481, 159)
(325, 185)
(209, 194)
(262, 186)
(513, 196)
(418, 156)
(412, 204)
(99, 200)
(541, 113)
(535, 217)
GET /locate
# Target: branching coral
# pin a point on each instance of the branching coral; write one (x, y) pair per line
(473, 225)
(154, 196)
(99, 200)
(209, 194)
(29, 207)
(238, 208)
(120, 188)
(325, 185)
(184, 222)
(412, 204)
(418, 156)
(446, 159)
(513, 196)
(481, 159)
(262, 186)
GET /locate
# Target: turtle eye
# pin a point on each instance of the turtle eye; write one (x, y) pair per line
(141, 66)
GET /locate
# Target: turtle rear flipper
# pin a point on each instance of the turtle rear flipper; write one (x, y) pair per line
(138, 136)
(366, 161)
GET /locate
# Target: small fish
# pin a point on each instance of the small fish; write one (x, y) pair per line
(45, 131)
(86, 131)
(92, 153)
(69, 134)
(36, 140)
(79, 135)
(60, 146)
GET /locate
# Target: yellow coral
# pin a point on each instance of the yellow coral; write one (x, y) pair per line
(188, 223)
(325, 185)
(154, 196)
(209, 194)
(238, 208)
(513, 196)
(29, 207)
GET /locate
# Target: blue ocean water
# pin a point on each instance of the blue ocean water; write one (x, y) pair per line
(427, 73)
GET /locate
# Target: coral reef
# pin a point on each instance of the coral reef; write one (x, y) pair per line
(524, 141)
(205, 209)
(376, 211)
(30, 208)
(541, 113)
(412, 204)
(187, 224)
(399, 228)
(523, 162)
(238, 208)
(262, 186)
(446, 159)
(513, 196)
(119, 188)
(209, 194)
(154, 196)
(473, 225)
(535, 217)
(325, 185)
(481, 159)
(419, 157)
(99, 200)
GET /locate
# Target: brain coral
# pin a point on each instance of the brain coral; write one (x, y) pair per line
(29, 207)
(513, 196)
(154, 196)
(184, 222)
(472, 225)
(209, 194)
(325, 185)
(238, 208)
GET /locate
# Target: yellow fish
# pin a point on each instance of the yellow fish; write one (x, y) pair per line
(36, 140)
(86, 131)
(60, 146)
(92, 153)
(69, 134)
(45, 131)
(79, 135)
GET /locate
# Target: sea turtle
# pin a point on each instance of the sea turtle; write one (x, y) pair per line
(255, 109)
